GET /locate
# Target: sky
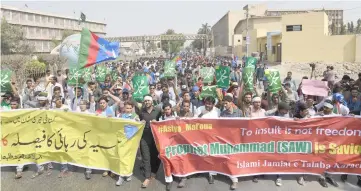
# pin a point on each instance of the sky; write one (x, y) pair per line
(133, 18)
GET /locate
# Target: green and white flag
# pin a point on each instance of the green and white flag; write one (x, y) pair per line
(274, 80)
(140, 84)
(87, 74)
(208, 91)
(169, 69)
(75, 74)
(207, 73)
(251, 62)
(5, 80)
(222, 76)
(100, 73)
(248, 77)
(114, 75)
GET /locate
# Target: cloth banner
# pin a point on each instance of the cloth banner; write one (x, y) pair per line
(244, 147)
(251, 62)
(274, 80)
(169, 69)
(222, 76)
(76, 74)
(208, 91)
(100, 73)
(5, 80)
(248, 77)
(207, 73)
(89, 141)
(140, 84)
(314, 87)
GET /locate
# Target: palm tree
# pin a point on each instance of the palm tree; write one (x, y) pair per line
(205, 29)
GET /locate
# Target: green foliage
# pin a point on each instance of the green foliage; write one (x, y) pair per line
(199, 44)
(151, 47)
(13, 39)
(333, 29)
(358, 26)
(35, 65)
(343, 29)
(172, 46)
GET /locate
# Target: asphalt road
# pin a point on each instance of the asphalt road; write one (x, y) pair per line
(77, 182)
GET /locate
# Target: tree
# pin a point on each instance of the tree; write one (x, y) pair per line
(151, 47)
(343, 29)
(172, 46)
(351, 28)
(358, 27)
(13, 39)
(64, 34)
(199, 44)
(348, 27)
(333, 29)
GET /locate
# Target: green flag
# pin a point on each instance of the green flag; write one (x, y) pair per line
(208, 91)
(114, 75)
(100, 73)
(247, 77)
(169, 69)
(274, 80)
(140, 84)
(5, 80)
(207, 73)
(251, 62)
(74, 75)
(87, 74)
(222, 76)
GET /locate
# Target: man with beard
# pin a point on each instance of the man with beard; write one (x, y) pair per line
(150, 160)
(230, 111)
(208, 111)
(245, 104)
(354, 102)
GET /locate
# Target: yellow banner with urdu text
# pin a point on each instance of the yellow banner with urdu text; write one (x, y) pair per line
(85, 140)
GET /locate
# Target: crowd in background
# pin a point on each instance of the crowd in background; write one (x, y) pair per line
(179, 97)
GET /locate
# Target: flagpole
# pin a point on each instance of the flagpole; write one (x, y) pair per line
(76, 94)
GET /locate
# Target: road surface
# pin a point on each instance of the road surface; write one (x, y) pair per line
(77, 182)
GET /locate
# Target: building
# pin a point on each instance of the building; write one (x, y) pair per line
(223, 30)
(334, 15)
(42, 28)
(305, 38)
(230, 31)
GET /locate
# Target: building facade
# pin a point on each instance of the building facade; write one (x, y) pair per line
(334, 15)
(223, 31)
(41, 29)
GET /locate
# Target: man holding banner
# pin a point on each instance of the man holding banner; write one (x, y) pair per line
(150, 160)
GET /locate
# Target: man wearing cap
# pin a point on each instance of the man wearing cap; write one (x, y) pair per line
(256, 110)
(150, 160)
(195, 100)
(5, 101)
(40, 102)
(327, 111)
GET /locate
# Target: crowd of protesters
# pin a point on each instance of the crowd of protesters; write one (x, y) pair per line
(179, 97)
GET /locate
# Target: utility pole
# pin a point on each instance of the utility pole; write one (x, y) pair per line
(247, 38)
(169, 49)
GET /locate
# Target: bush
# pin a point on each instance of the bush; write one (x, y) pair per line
(35, 65)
